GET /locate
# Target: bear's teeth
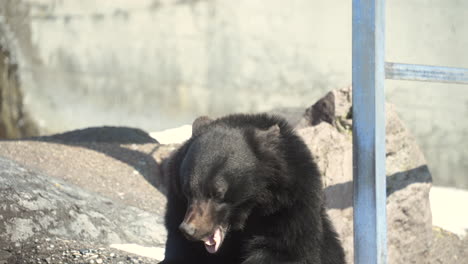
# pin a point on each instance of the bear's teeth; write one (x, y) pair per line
(210, 242)
(213, 242)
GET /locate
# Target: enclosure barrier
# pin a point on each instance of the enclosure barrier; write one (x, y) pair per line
(369, 72)
(413, 72)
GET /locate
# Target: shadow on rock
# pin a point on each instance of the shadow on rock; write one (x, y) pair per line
(110, 141)
(121, 163)
(395, 182)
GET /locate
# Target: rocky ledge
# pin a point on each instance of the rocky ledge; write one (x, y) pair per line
(67, 198)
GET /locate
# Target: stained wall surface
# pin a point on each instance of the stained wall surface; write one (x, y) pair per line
(157, 64)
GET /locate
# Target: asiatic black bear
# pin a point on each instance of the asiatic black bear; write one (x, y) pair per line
(245, 189)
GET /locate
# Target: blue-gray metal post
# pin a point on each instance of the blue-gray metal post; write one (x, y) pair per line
(370, 243)
(425, 73)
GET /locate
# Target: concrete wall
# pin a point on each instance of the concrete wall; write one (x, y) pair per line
(157, 64)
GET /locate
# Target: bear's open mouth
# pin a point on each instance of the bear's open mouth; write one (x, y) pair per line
(214, 241)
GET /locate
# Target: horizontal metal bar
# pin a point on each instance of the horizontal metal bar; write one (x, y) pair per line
(414, 72)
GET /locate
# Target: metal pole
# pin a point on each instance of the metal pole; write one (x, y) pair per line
(370, 245)
(425, 73)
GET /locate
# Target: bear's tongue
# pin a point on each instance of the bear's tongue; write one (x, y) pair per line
(213, 242)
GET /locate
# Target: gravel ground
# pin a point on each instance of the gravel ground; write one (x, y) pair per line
(58, 251)
(447, 248)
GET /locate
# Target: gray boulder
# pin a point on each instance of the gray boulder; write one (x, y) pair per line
(36, 205)
(326, 129)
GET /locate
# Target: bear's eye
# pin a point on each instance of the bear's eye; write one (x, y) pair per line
(214, 194)
(219, 195)
(220, 189)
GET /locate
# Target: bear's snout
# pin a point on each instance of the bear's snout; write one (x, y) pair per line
(188, 230)
(198, 221)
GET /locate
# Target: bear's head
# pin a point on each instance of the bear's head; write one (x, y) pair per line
(223, 177)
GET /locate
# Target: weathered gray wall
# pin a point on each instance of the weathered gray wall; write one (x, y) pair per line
(159, 63)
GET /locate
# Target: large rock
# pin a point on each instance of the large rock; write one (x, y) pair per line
(119, 163)
(33, 204)
(96, 185)
(326, 129)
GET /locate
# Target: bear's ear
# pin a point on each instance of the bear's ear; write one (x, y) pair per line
(199, 124)
(271, 134)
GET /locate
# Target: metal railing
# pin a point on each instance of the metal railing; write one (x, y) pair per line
(369, 72)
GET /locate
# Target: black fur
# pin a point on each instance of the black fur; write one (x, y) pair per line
(256, 177)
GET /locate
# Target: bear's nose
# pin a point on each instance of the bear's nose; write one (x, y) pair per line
(188, 230)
